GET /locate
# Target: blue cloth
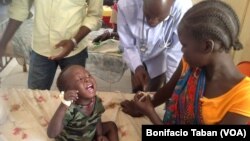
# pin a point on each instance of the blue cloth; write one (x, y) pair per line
(161, 57)
(42, 70)
(184, 106)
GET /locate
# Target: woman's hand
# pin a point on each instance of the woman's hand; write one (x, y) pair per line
(143, 103)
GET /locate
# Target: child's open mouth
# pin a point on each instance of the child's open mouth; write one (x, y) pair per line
(90, 88)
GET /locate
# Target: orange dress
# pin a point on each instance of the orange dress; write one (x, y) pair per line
(236, 100)
(188, 105)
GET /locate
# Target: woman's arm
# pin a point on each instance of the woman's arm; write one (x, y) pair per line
(164, 94)
(136, 109)
(166, 91)
(147, 105)
(235, 119)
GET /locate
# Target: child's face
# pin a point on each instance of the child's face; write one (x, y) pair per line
(77, 78)
(192, 49)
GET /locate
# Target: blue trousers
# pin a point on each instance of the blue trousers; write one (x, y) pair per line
(42, 70)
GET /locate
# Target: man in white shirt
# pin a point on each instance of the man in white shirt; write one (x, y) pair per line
(148, 35)
(58, 34)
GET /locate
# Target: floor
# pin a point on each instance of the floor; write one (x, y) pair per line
(14, 77)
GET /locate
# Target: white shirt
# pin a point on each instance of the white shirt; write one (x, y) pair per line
(161, 56)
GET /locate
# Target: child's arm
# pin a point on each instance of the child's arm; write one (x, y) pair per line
(100, 131)
(99, 136)
(56, 123)
(99, 128)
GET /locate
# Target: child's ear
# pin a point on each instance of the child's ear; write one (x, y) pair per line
(209, 46)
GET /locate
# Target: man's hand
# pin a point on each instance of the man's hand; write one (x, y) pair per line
(67, 46)
(130, 108)
(141, 78)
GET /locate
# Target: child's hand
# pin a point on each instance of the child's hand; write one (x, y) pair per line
(71, 95)
(102, 138)
(129, 107)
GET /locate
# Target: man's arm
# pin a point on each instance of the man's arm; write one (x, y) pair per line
(69, 44)
(10, 30)
(127, 41)
(92, 21)
(19, 10)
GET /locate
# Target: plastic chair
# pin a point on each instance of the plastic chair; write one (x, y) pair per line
(244, 67)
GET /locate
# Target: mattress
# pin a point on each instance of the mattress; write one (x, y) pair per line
(27, 113)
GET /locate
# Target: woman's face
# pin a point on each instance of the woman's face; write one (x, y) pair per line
(77, 78)
(192, 49)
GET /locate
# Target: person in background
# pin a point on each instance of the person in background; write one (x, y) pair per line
(58, 34)
(108, 2)
(80, 120)
(148, 35)
(107, 34)
(207, 87)
(5, 2)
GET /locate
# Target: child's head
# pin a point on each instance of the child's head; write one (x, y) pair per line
(76, 77)
(209, 24)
